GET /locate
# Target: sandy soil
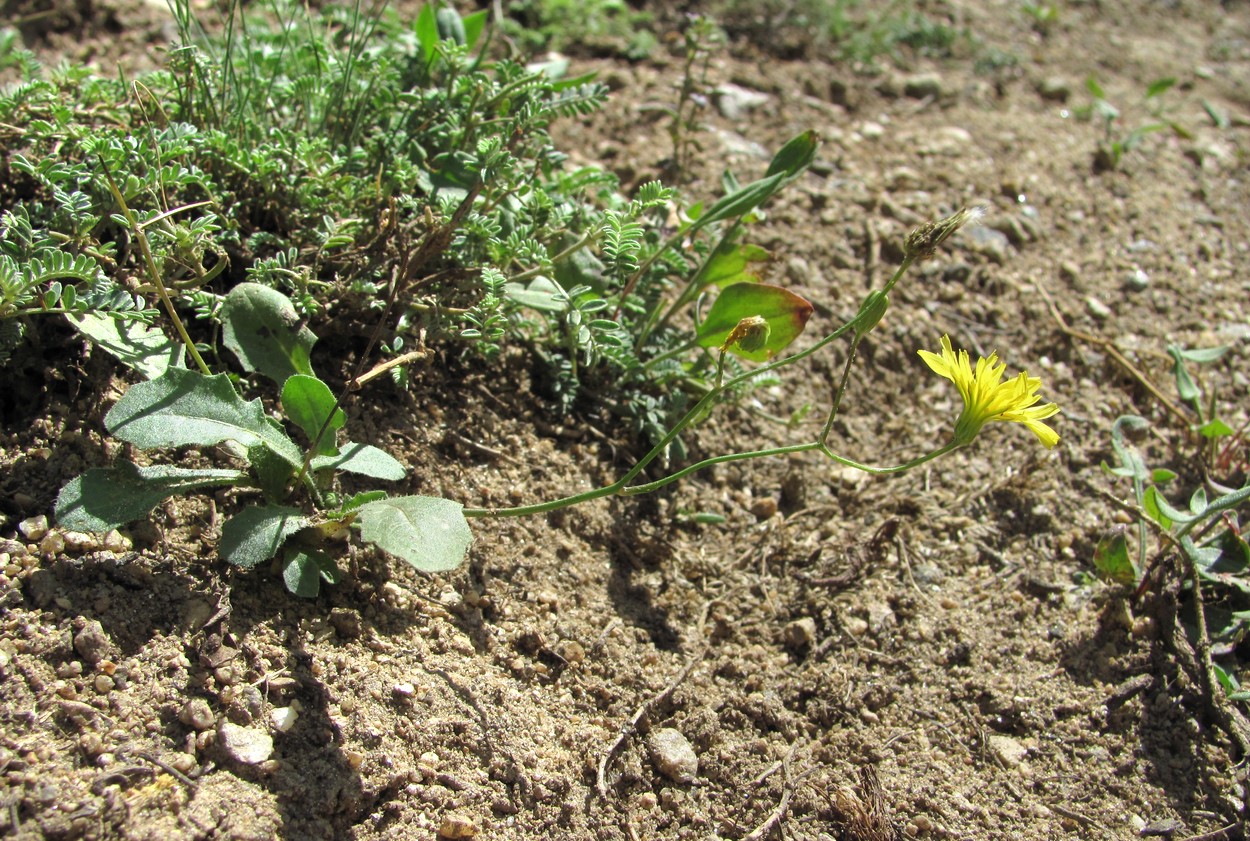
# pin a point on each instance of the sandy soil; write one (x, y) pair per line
(931, 647)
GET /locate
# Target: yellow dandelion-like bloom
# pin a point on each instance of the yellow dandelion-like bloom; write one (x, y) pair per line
(988, 398)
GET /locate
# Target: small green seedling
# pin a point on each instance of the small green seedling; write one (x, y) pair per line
(1116, 143)
(1205, 531)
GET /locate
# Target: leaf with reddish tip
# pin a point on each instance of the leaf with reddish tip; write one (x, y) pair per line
(785, 312)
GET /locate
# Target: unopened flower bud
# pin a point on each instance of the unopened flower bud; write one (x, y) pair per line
(871, 312)
(749, 335)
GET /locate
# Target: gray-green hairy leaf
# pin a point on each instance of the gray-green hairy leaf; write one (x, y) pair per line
(427, 532)
(136, 345)
(262, 328)
(183, 408)
(106, 498)
(256, 533)
(363, 459)
(303, 569)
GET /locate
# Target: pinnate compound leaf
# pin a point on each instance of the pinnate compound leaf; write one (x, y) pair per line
(427, 532)
(184, 408)
(106, 498)
(363, 459)
(256, 533)
(136, 345)
(308, 401)
(262, 328)
(785, 312)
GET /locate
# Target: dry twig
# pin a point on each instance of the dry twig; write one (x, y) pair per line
(631, 726)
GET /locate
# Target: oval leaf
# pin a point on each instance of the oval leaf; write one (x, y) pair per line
(785, 312)
(308, 401)
(135, 344)
(1112, 561)
(362, 459)
(262, 328)
(427, 532)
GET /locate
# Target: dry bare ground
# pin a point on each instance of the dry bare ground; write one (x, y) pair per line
(844, 656)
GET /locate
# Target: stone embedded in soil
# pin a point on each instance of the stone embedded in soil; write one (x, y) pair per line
(33, 528)
(764, 508)
(245, 744)
(198, 714)
(1137, 280)
(673, 755)
(1054, 89)
(994, 245)
(1009, 751)
(283, 718)
(923, 85)
(734, 101)
(1097, 308)
(457, 826)
(346, 622)
(801, 633)
(92, 643)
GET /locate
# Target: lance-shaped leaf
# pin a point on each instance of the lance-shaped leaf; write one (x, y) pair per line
(363, 459)
(263, 329)
(427, 532)
(106, 498)
(256, 533)
(308, 402)
(785, 312)
(184, 408)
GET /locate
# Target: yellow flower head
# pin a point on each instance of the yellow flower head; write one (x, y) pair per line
(988, 398)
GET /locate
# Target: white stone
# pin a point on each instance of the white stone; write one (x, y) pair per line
(245, 744)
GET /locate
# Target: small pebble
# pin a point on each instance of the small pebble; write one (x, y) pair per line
(33, 528)
(923, 85)
(198, 714)
(1054, 89)
(103, 684)
(801, 633)
(1007, 749)
(673, 755)
(283, 719)
(1097, 308)
(764, 508)
(572, 651)
(117, 542)
(92, 643)
(53, 543)
(1137, 280)
(457, 826)
(247, 745)
(346, 622)
(80, 541)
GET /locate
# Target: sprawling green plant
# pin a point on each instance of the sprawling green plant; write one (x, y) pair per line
(298, 503)
(293, 508)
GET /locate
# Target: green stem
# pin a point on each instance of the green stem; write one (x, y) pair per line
(150, 264)
(837, 395)
(621, 485)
